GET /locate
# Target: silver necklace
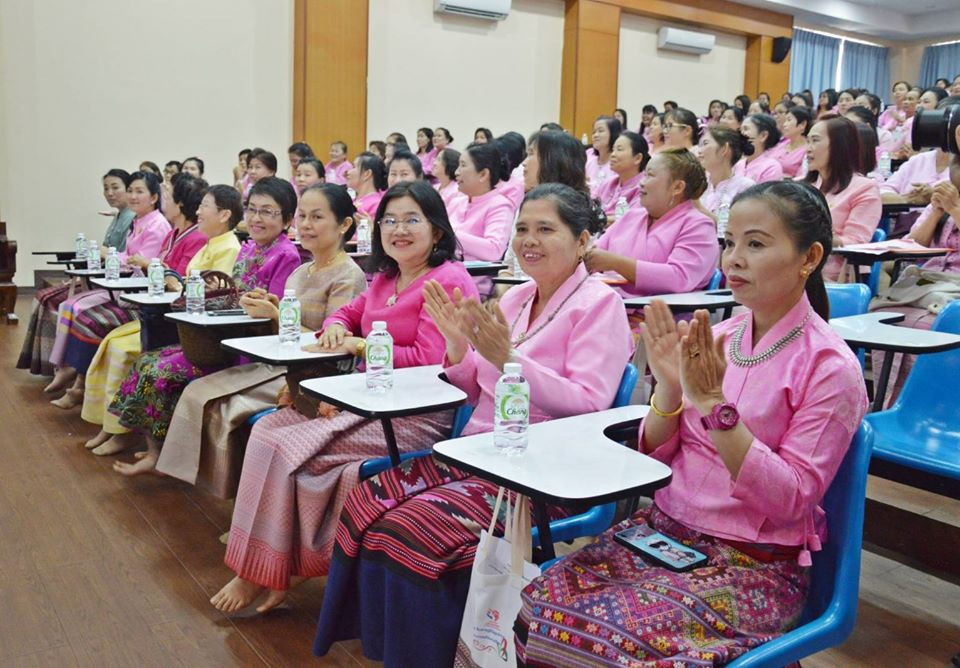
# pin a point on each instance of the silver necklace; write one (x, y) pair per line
(526, 337)
(740, 359)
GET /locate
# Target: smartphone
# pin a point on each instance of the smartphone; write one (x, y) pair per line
(228, 311)
(660, 549)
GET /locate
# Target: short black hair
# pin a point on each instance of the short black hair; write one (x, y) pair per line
(316, 164)
(118, 173)
(450, 159)
(266, 158)
(196, 160)
(765, 123)
(174, 163)
(280, 191)
(406, 155)
(188, 191)
(489, 157)
(301, 149)
(227, 198)
(429, 200)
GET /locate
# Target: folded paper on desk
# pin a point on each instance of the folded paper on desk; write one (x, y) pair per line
(893, 246)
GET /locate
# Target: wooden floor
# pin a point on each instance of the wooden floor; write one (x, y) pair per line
(100, 570)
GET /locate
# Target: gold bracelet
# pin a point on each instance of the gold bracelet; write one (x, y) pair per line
(660, 413)
(361, 349)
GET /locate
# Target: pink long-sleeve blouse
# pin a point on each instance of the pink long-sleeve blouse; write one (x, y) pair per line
(180, 247)
(426, 161)
(416, 339)
(611, 190)
(677, 253)
(512, 188)
(146, 237)
(760, 169)
(724, 192)
(568, 372)
(803, 406)
(337, 173)
(791, 162)
(368, 203)
(483, 229)
(856, 212)
(921, 168)
(596, 173)
(453, 199)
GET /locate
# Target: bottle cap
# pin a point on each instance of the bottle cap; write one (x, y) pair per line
(380, 325)
(289, 292)
(195, 272)
(112, 249)
(513, 368)
(156, 259)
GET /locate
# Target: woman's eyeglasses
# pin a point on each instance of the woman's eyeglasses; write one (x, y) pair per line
(391, 223)
(265, 214)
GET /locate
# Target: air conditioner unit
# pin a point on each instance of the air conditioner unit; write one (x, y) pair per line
(674, 39)
(494, 10)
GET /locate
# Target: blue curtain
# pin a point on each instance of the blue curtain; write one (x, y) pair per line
(866, 66)
(813, 63)
(939, 61)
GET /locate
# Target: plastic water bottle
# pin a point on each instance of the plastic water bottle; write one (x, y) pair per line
(584, 139)
(511, 411)
(155, 277)
(364, 244)
(622, 207)
(290, 318)
(897, 134)
(93, 255)
(379, 358)
(723, 215)
(884, 167)
(80, 244)
(195, 289)
(112, 264)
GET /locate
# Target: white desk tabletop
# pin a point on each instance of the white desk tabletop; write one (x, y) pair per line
(145, 299)
(481, 268)
(207, 320)
(568, 460)
(687, 300)
(416, 390)
(90, 273)
(128, 283)
(268, 349)
(876, 332)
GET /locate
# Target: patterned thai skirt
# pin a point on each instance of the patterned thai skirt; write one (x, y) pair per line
(401, 564)
(604, 605)
(42, 331)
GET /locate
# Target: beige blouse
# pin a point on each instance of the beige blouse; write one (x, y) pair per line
(324, 291)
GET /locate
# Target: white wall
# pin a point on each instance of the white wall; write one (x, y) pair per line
(426, 69)
(648, 75)
(96, 84)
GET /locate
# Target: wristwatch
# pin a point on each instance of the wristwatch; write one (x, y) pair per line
(723, 417)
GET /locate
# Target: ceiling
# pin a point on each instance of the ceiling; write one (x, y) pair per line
(896, 20)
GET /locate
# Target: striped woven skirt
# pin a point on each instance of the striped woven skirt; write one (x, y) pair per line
(110, 366)
(84, 322)
(41, 330)
(604, 605)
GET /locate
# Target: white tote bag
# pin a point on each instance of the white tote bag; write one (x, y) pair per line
(501, 569)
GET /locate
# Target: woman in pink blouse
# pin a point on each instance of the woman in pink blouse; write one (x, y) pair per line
(894, 115)
(720, 149)
(654, 134)
(339, 166)
(606, 129)
(298, 471)
(758, 164)
(513, 149)
(445, 172)
(425, 149)
(665, 245)
(833, 156)
(367, 177)
(484, 228)
(680, 129)
(88, 317)
(628, 159)
(794, 125)
(569, 332)
(913, 183)
(754, 419)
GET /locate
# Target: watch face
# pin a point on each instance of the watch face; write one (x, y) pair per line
(727, 416)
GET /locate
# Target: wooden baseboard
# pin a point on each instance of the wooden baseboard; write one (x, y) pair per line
(915, 540)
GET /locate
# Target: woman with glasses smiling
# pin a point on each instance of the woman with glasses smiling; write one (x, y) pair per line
(150, 392)
(298, 471)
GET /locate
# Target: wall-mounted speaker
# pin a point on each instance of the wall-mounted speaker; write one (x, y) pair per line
(781, 47)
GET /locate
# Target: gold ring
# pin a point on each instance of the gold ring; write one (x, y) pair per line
(694, 354)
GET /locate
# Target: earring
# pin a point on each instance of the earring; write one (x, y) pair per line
(804, 272)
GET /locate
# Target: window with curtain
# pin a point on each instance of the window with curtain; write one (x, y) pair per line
(939, 61)
(813, 63)
(865, 66)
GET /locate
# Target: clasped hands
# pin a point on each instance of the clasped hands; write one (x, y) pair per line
(465, 322)
(258, 303)
(946, 197)
(684, 358)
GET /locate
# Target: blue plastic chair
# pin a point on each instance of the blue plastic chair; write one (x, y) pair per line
(848, 299)
(922, 428)
(715, 280)
(831, 608)
(873, 281)
(252, 420)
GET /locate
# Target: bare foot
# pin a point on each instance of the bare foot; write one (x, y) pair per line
(147, 464)
(116, 443)
(64, 376)
(71, 399)
(236, 595)
(99, 439)
(274, 598)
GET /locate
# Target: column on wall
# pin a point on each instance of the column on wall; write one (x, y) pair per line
(330, 74)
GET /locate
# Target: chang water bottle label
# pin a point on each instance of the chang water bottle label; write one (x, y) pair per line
(379, 354)
(289, 316)
(155, 274)
(194, 290)
(515, 404)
